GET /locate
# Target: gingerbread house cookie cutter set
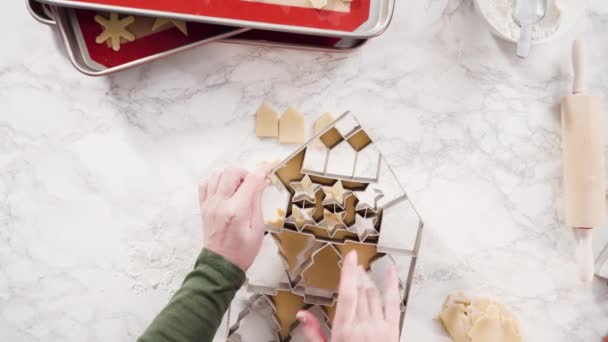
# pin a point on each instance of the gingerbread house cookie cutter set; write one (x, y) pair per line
(334, 194)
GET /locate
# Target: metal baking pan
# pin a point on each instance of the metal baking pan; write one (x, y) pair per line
(79, 45)
(295, 41)
(360, 19)
(41, 12)
(82, 60)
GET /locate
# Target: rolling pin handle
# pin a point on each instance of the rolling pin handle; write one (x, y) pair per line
(584, 254)
(578, 66)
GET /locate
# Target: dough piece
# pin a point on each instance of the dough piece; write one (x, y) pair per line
(304, 189)
(332, 221)
(456, 322)
(322, 123)
(301, 217)
(291, 128)
(318, 4)
(365, 252)
(478, 320)
(322, 277)
(335, 194)
(179, 24)
(266, 122)
(493, 328)
(114, 29)
(287, 306)
(276, 224)
(274, 202)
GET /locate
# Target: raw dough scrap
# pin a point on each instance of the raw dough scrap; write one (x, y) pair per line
(335, 194)
(179, 24)
(332, 221)
(274, 202)
(318, 4)
(114, 29)
(479, 320)
(301, 217)
(304, 189)
(291, 127)
(276, 224)
(322, 123)
(266, 122)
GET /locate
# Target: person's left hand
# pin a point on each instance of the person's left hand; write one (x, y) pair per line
(230, 204)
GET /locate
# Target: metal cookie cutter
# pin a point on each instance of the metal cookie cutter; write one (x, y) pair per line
(334, 194)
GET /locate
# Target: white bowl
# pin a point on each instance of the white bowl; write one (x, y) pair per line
(566, 24)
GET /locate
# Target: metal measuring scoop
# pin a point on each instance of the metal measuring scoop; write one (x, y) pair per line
(526, 14)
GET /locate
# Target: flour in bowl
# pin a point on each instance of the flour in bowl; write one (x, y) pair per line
(499, 15)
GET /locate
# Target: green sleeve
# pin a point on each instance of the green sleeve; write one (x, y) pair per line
(196, 310)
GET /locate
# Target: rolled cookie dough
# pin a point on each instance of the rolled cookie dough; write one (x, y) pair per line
(478, 320)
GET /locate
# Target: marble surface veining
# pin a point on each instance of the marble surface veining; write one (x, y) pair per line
(98, 213)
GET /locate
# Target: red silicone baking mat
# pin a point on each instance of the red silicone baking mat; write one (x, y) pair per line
(258, 11)
(143, 47)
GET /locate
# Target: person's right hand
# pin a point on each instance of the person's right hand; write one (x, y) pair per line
(230, 204)
(360, 315)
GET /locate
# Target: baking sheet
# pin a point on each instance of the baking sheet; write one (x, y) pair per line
(296, 41)
(79, 30)
(362, 19)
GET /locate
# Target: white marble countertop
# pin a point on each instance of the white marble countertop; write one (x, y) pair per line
(98, 213)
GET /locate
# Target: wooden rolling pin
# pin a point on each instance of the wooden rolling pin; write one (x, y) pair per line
(583, 157)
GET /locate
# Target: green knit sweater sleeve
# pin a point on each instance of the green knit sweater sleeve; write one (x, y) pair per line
(196, 310)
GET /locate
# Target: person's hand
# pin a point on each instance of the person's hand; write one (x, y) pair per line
(360, 315)
(230, 204)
